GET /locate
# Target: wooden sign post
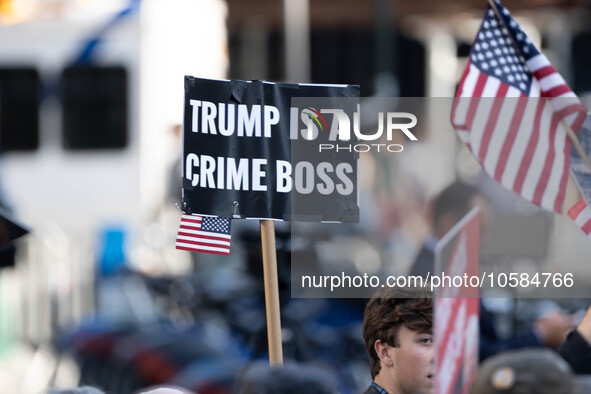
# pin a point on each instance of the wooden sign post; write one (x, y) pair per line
(271, 292)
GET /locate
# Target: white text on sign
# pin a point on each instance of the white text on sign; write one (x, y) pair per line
(250, 174)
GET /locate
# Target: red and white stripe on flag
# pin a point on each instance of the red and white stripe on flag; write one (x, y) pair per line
(205, 234)
(511, 108)
(581, 215)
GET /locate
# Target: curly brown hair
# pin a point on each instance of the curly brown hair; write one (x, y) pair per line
(391, 308)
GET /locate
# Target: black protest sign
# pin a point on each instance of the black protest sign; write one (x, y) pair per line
(244, 154)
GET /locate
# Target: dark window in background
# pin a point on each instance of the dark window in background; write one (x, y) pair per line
(581, 60)
(345, 55)
(463, 49)
(95, 105)
(411, 59)
(233, 50)
(19, 109)
(276, 66)
(342, 56)
(348, 56)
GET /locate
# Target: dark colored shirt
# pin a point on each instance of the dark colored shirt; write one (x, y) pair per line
(375, 388)
(577, 352)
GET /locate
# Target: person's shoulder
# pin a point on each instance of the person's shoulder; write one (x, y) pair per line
(371, 390)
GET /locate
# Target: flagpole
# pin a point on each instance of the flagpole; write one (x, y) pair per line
(271, 292)
(571, 134)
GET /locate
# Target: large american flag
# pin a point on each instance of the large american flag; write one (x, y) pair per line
(206, 234)
(511, 108)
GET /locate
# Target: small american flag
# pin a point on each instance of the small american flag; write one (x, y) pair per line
(578, 167)
(521, 142)
(581, 215)
(580, 212)
(205, 234)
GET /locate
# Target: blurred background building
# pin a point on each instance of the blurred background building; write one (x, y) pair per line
(91, 98)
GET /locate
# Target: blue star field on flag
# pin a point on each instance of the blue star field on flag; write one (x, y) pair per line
(494, 50)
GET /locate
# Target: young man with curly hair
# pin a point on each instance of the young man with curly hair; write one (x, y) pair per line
(398, 334)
